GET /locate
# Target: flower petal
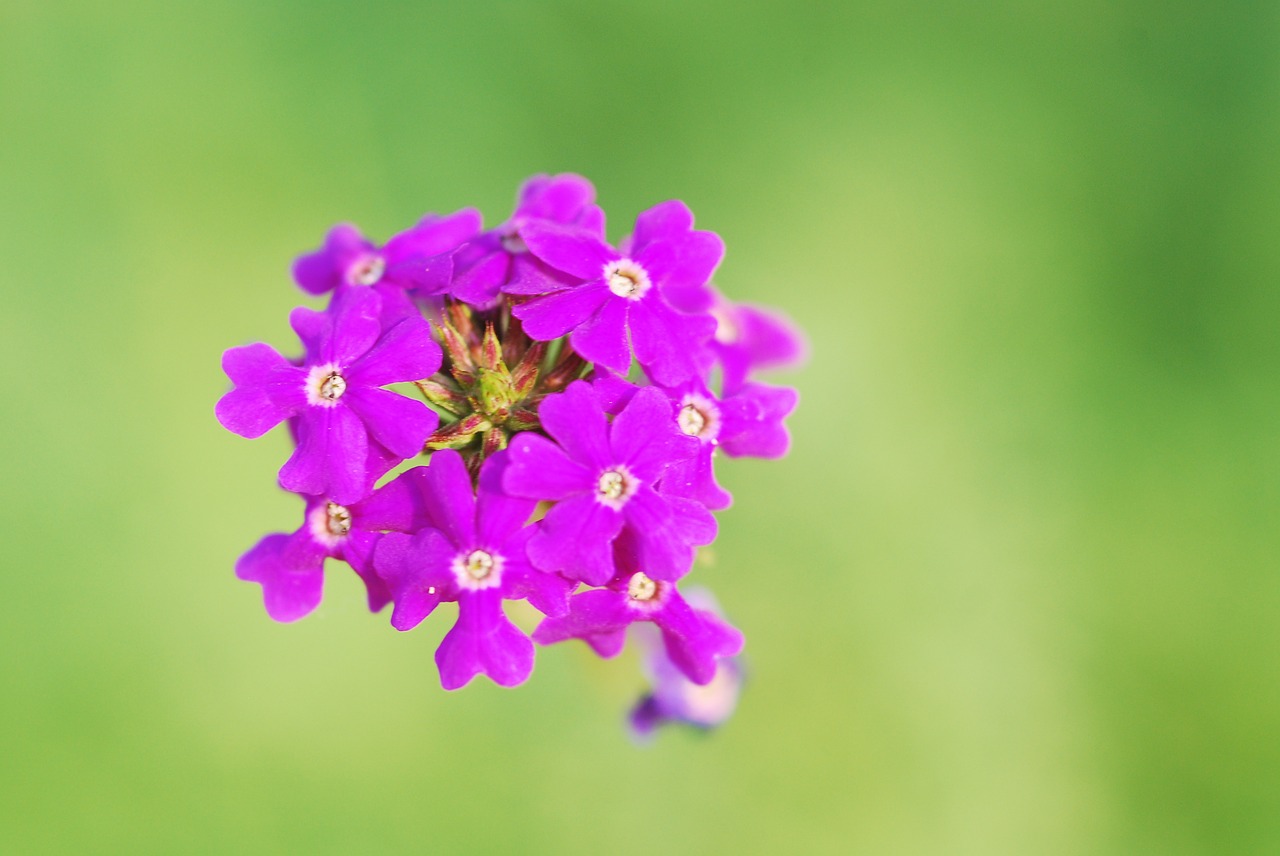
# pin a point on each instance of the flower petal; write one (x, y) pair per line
(602, 338)
(663, 222)
(406, 352)
(483, 640)
(552, 315)
(574, 251)
(599, 617)
(450, 503)
(645, 437)
(667, 343)
(539, 469)
(414, 569)
(331, 458)
(499, 516)
(269, 390)
(577, 422)
(682, 268)
(400, 424)
(290, 569)
(576, 539)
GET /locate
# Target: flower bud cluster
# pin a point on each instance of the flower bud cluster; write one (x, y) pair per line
(570, 398)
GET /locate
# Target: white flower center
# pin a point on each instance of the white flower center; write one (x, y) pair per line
(337, 519)
(699, 417)
(615, 486)
(332, 387)
(477, 569)
(641, 587)
(513, 243)
(691, 420)
(367, 270)
(325, 385)
(329, 524)
(627, 279)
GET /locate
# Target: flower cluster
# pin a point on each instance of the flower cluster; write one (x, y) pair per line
(570, 398)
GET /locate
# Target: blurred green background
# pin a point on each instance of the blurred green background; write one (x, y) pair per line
(1015, 591)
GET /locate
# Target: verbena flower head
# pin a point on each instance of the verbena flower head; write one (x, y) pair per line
(576, 399)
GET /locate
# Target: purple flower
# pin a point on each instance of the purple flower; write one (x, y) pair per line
(694, 639)
(751, 338)
(418, 260)
(601, 477)
(499, 260)
(290, 568)
(635, 296)
(674, 699)
(335, 394)
(473, 552)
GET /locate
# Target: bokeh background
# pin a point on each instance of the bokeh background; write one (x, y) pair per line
(1015, 591)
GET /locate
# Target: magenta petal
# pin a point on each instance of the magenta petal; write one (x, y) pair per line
(528, 275)
(355, 325)
(483, 640)
(539, 469)
(269, 390)
(691, 522)
(644, 434)
(397, 506)
(613, 392)
(400, 424)
(450, 502)
(664, 221)
(668, 343)
(323, 270)
(249, 412)
(576, 539)
(406, 352)
(599, 618)
(426, 277)
(551, 316)
(548, 593)
(411, 568)
(602, 338)
(499, 516)
(696, 639)
(479, 283)
(559, 198)
(434, 235)
(312, 327)
(574, 251)
(577, 422)
(331, 458)
(357, 551)
(682, 268)
(290, 569)
(753, 421)
(695, 478)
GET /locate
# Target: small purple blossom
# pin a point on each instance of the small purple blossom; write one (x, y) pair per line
(499, 260)
(651, 297)
(419, 259)
(601, 477)
(290, 568)
(673, 699)
(335, 394)
(471, 551)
